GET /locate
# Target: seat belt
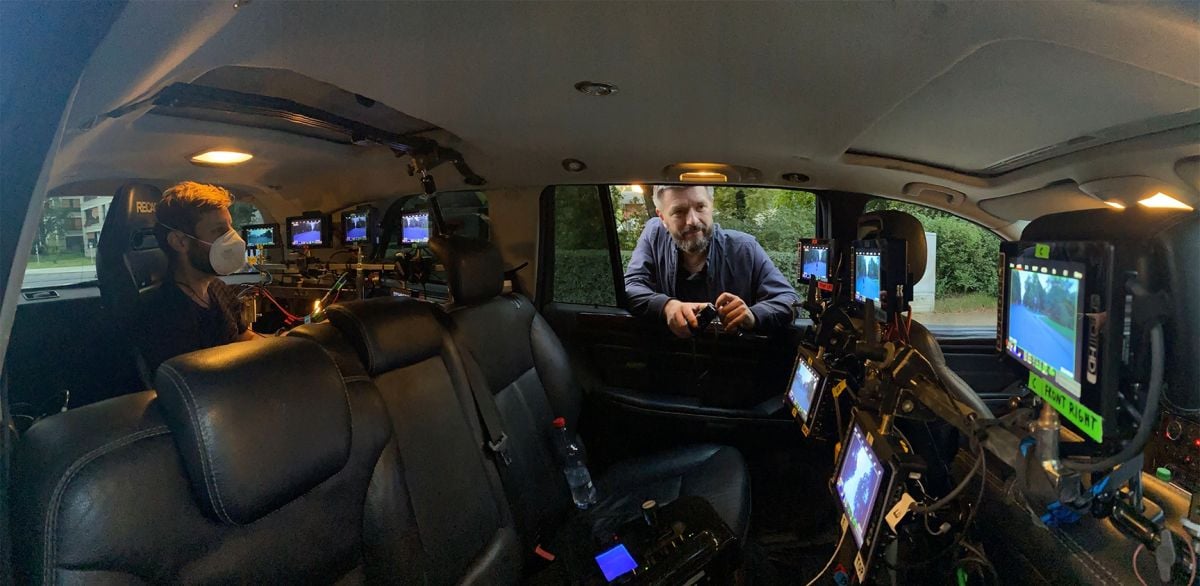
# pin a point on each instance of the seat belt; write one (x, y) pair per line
(489, 417)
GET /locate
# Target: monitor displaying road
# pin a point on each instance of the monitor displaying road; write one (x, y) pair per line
(1043, 323)
(866, 276)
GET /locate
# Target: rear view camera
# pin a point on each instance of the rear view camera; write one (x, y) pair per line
(1044, 330)
(414, 228)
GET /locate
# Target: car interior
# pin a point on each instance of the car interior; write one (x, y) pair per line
(984, 214)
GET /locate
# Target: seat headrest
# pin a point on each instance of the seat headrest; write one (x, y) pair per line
(257, 424)
(902, 226)
(127, 255)
(388, 332)
(473, 268)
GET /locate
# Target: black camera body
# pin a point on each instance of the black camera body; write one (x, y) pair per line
(705, 318)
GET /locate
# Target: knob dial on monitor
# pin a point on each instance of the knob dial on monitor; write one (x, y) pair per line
(1174, 430)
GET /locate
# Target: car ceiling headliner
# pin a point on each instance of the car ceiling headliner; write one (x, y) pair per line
(862, 97)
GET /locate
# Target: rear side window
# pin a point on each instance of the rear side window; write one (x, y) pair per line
(582, 266)
(960, 286)
(64, 248)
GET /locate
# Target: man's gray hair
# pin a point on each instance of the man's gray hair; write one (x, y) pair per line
(659, 189)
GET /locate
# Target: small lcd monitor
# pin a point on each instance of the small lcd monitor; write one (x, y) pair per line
(867, 275)
(309, 231)
(814, 260)
(356, 224)
(265, 235)
(802, 392)
(616, 562)
(414, 228)
(858, 482)
(1044, 331)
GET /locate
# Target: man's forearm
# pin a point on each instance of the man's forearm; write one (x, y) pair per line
(771, 315)
(643, 301)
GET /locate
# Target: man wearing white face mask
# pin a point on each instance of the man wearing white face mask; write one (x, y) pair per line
(193, 309)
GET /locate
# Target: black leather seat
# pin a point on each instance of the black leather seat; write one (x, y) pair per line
(457, 497)
(511, 351)
(129, 263)
(255, 463)
(903, 226)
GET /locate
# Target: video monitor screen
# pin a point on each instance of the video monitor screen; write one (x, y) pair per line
(866, 275)
(803, 391)
(858, 482)
(814, 262)
(261, 234)
(307, 231)
(414, 228)
(355, 225)
(1044, 327)
(616, 562)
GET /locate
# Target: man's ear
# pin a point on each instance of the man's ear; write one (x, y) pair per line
(658, 213)
(176, 240)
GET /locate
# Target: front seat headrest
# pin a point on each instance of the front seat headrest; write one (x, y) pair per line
(473, 268)
(388, 332)
(257, 424)
(902, 226)
(128, 258)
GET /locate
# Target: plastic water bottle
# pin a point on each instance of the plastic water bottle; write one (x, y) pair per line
(583, 492)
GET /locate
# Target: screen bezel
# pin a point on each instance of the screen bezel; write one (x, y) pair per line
(806, 414)
(326, 231)
(428, 228)
(860, 536)
(815, 243)
(854, 268)
(1050, 267)
(274, 226)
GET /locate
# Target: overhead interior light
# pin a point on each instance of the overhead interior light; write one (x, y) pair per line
(1161, 200)
(708, 176)
(1112, 203)
(221, 158)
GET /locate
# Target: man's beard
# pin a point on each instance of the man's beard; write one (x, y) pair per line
(693, 245)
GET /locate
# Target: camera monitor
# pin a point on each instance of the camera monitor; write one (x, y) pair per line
(858, 482)
(879, 273)
(265, 235)
(414, 228)
(356, 224)
(804, 388)
(815, 259)
(1059, 319)
(309, 231)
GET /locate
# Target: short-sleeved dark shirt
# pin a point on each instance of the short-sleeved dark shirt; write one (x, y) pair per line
(170, 323)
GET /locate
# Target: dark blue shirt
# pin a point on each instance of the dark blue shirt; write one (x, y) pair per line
(737, 264)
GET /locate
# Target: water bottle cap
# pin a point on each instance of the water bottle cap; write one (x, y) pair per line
(560, 422)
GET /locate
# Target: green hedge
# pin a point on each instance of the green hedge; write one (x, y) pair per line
(966, 257)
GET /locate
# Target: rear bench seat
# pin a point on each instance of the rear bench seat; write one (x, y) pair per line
(509, 350)
(254, 463)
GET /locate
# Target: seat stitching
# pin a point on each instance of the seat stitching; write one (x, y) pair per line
(56, 497)
(205, 458)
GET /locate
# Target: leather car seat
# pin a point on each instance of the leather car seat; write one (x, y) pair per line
(511, 351)
(129, 263)
(254, 463)
(903, 226)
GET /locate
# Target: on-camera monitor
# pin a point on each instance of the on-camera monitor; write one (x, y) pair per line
(866, 275)
(414, 228)
(858, 482)
(1044, 327)
(804, 387)
(307, 231)
(814, 262)
(261, 234)
(355, 225)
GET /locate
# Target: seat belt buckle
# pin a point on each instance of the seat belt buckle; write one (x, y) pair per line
(500, 448)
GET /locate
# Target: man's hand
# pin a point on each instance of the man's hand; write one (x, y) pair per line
(681, 317)
(734, 312)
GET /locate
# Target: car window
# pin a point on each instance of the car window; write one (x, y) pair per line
(960, 286)
(64, 248)
(774, 217)
(582, 267)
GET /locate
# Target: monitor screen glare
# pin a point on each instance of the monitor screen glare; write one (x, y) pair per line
(814, 262)
(414, 228)
(307, 232)
(804, 388)
(260, 236)
(355, 224)
(866, 275)
(858, 483)
(1043, 331)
